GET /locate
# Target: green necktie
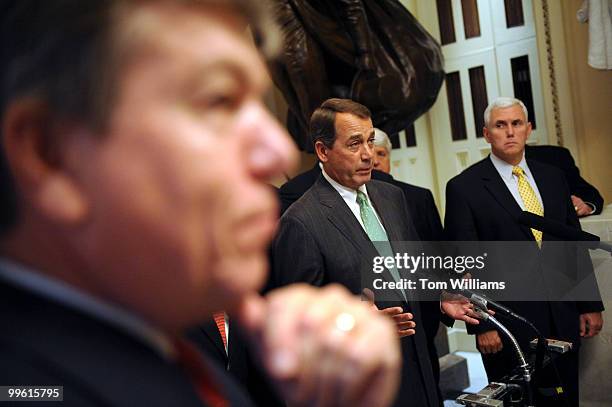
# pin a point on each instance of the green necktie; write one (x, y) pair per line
(373, 228)
(376, 233)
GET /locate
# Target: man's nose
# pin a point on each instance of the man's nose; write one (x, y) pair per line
(367, 153)
(270, 152)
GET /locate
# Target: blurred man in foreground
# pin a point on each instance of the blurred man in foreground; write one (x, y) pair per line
(126, 225)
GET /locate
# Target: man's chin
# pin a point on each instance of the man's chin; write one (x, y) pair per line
(511, 154)
(363, 177)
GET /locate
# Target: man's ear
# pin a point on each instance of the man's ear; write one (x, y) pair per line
(485, 133)
(321, 151)
(33, 144)
(529, 128)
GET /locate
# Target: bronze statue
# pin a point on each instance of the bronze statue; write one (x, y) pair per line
(372, 51)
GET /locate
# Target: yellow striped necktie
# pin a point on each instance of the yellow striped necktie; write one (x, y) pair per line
(530, 199)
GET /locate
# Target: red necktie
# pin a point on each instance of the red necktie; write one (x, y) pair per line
(191, 361)
(219, 318)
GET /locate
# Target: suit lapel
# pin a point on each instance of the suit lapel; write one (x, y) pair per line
(340, 215)
(343, 219)
(498, 189)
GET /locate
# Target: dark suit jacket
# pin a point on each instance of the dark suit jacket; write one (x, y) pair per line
(46, 343)
(479, 207)
(320, 241)
(561, 158)
(241, 362)
(423, 209)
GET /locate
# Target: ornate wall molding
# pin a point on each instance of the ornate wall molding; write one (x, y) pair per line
(551, 73)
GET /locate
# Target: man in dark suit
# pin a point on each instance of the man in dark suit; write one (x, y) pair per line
(126, 226)
(420, 200)
(586, 198)
(326, 236)
(483, 204)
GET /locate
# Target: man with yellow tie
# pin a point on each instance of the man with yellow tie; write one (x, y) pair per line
(483, 204)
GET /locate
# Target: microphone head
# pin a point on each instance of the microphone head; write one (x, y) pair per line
(529, 219)
(555, 228)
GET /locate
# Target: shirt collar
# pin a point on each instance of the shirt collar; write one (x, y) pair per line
(505, 169)
(61, 292)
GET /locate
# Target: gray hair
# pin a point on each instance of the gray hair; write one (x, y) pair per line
(503, 102)
(381, 139)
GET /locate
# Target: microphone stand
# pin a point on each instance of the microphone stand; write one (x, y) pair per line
(524, 366)
(483, 303)
(540, 348)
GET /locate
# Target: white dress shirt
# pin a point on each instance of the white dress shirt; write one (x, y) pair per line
(349, 196)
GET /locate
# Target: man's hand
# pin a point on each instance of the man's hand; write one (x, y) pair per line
(403, 320)
(590, 324)
(324, 347)
(581, 208)
(489, 342)
(458, 307)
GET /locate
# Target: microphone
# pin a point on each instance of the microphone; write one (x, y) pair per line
(480, 302)
(483, 302)
(562, 231)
